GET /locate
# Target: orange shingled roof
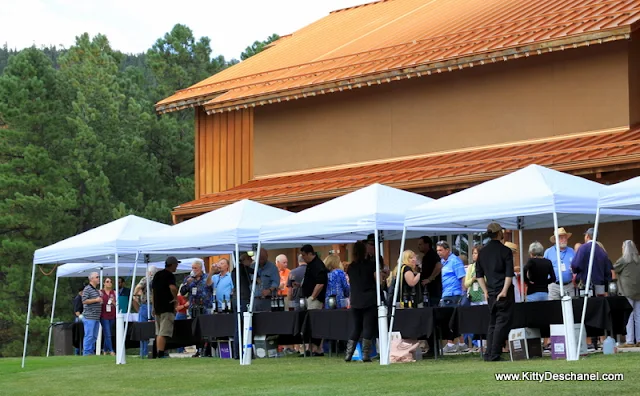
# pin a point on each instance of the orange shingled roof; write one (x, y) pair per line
(570, 153)
(394, 39)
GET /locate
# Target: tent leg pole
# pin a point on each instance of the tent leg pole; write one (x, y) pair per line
(53, 311)
(588, 285)
(383, 330)
(100, 332)
(26, 329)
(118, 339)
(567, 306)
(248, 317)
(133, 281)
(236, 267)
(520, 240)
(396, 290)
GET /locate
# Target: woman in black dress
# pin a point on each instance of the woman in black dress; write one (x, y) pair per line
(362, 277)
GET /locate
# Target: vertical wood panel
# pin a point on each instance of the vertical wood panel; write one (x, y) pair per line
(216, 154)
(208, 158)
(196, 149)
(250, 146)
(223, 150)
(230, 144)
(237, 150)
(222, 163)
(205, 129)
(246, 142)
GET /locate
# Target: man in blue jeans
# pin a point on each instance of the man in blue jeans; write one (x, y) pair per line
(92, 307)
(453, 274)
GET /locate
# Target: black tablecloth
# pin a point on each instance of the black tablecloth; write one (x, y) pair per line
(414, 323)
(215, 326)
(334, 324)
(279, 323)
(77, 336)
(603, 313)
(182, 333)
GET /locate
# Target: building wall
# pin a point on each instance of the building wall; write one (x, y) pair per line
(564, 92)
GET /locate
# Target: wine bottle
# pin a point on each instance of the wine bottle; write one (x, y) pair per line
(281, 304)
(223, 309)
(214, 305)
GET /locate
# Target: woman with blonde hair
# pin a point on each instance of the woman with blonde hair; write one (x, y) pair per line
(337, 284)
(627, 269)
(410, 285)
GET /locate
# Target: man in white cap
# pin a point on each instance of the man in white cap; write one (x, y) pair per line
(563, 268)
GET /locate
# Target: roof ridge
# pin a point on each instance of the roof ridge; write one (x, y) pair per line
(434, 38)
(415, 42)
(359, 6)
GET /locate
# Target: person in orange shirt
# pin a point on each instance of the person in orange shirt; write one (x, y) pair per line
(283, 291)
(282, 263)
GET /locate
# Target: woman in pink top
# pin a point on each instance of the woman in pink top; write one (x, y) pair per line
(108, 315)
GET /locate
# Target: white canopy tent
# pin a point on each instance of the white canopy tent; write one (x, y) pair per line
(530, 198)
(82, 270)
(346, 219)
(227, 230)
(104, 244)
(622, 199)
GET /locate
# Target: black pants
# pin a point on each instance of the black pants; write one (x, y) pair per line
(434, 301)
(501, 312)
(364, 323)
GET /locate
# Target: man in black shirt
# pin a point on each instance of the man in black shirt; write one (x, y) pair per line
(165, 300)
(430, 275)
(314, 286)
(431, 279)
(495, 263)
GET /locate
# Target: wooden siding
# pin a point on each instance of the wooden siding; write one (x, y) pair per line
(223, 150)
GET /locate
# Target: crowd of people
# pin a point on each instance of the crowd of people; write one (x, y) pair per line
(438, 276)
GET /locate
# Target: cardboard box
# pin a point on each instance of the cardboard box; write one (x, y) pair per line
(558, 345)
(265, 346)
(524, 343)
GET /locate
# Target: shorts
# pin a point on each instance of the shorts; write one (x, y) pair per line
(164, 324)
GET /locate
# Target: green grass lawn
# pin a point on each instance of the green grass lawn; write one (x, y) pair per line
(452, 375)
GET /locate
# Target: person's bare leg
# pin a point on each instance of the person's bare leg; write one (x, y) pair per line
(161, 342)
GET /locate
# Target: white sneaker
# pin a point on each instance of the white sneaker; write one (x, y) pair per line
(450, 349)
(463, 348)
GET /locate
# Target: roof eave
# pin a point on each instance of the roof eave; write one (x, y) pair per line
(599, 37)
(440, 184)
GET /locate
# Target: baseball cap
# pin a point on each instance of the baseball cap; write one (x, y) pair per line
(171, 261)
(494, 228)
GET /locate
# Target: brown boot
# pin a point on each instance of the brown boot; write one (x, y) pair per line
(351, 346)
(366, 350)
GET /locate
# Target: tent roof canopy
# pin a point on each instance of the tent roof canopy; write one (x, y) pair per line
(80, 270)
(523, 199)
(345, 219)
(621, 196)
(217, 231)
(100, 244)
